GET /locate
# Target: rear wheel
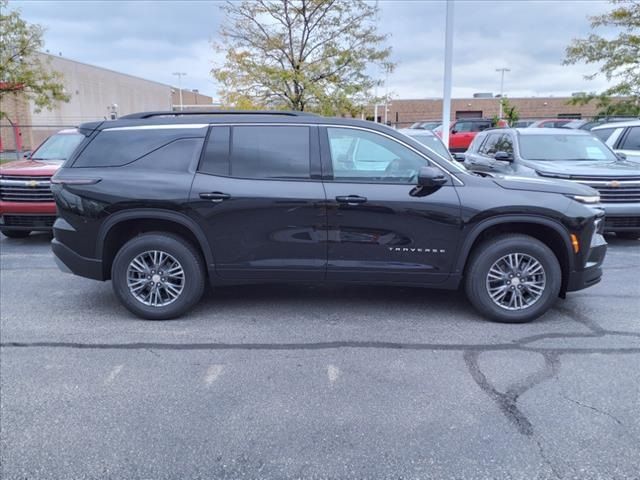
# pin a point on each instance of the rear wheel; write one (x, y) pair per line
(513, 278)
(16, 233)
(633, 235)
(158, 276)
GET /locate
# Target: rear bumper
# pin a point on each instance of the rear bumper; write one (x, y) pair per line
(592, 271)
(70, 262)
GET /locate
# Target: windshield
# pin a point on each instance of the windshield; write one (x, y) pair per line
(434, 143)
(564, 147)
(58, 147)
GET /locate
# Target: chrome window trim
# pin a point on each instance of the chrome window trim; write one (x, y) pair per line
(175, 126)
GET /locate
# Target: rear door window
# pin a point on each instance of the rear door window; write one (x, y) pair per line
(603, 133)
(632, 139)
(270, 152)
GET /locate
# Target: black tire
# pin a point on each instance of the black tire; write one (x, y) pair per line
(633, 235)
(16, 233)
(188, 257)
(489, 252)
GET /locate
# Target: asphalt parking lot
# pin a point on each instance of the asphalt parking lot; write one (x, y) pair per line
(315, 382)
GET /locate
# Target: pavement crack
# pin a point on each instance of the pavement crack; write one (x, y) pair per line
(577, 316)
(546, 459)
(508, 401)
(601, 412)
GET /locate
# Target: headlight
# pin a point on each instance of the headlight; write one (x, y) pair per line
(588, 199)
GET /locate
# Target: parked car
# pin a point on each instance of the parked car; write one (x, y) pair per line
(549, 123)
(462, 132)
(428, 139)
(564, 154)
(426, 125)
(591, 124)
(622, 137)
(161, 202)
(523, 123)
(26, 202)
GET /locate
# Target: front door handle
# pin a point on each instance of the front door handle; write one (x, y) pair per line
(215, 196)
(351, 199)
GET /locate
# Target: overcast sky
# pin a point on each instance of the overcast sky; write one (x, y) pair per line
(154, 39)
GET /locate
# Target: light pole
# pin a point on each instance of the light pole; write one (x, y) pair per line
(448, 61)
(501, 70)
(180, 75)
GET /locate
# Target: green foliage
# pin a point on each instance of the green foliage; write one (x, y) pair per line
(619, 58)
(509, 112)
(300, 54)
(22, 69)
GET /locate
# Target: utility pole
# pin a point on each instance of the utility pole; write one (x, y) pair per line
(448, 62)
(180, 75)
(501, 70)
(386, 94)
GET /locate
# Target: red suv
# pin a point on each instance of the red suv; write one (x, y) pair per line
(463, 131)
(26, 202)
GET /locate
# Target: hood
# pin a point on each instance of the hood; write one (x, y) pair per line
(581, 168)
(536, 184)
(29, 167)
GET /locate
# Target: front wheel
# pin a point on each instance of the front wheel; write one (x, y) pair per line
(513, 278)
(16, 233)
(158, 276)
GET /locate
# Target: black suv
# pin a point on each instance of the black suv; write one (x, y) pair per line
(161, 202)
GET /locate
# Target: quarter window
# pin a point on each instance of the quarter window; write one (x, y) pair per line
(114, 148)
(361, 156)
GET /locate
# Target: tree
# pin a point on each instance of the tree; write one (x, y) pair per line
(619, 58)
(300, 54)
(22, 69)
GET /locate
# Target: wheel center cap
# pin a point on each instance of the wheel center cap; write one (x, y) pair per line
(155, 278)
(515, 281)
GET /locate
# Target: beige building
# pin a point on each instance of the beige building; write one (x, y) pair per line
(96, 93)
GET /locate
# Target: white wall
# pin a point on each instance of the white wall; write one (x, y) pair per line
(92, 89)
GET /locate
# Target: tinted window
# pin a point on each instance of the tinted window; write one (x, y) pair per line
(177, 155)
(603, 133)
(216, 154)
(564, 147)
(361, 156)
(58, 147)
(632, 140)
(480, 126)
(114, 148)
(463, 127)
(270, 152)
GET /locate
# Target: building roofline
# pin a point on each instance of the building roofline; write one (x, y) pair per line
(110, 70)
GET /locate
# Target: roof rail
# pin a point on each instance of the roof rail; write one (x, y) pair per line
(142, 115)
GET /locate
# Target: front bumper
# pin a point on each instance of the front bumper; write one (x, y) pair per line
(70, 262)
(621, 217)
(29, 222)
(592, 271)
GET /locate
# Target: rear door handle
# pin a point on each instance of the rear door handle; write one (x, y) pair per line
(215, 196)
(351, 199)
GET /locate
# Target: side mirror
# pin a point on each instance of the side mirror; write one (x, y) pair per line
(621, 156)
(459, 157)
(431, 177)
(503, 157)
(26, 154)
(454, 131)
